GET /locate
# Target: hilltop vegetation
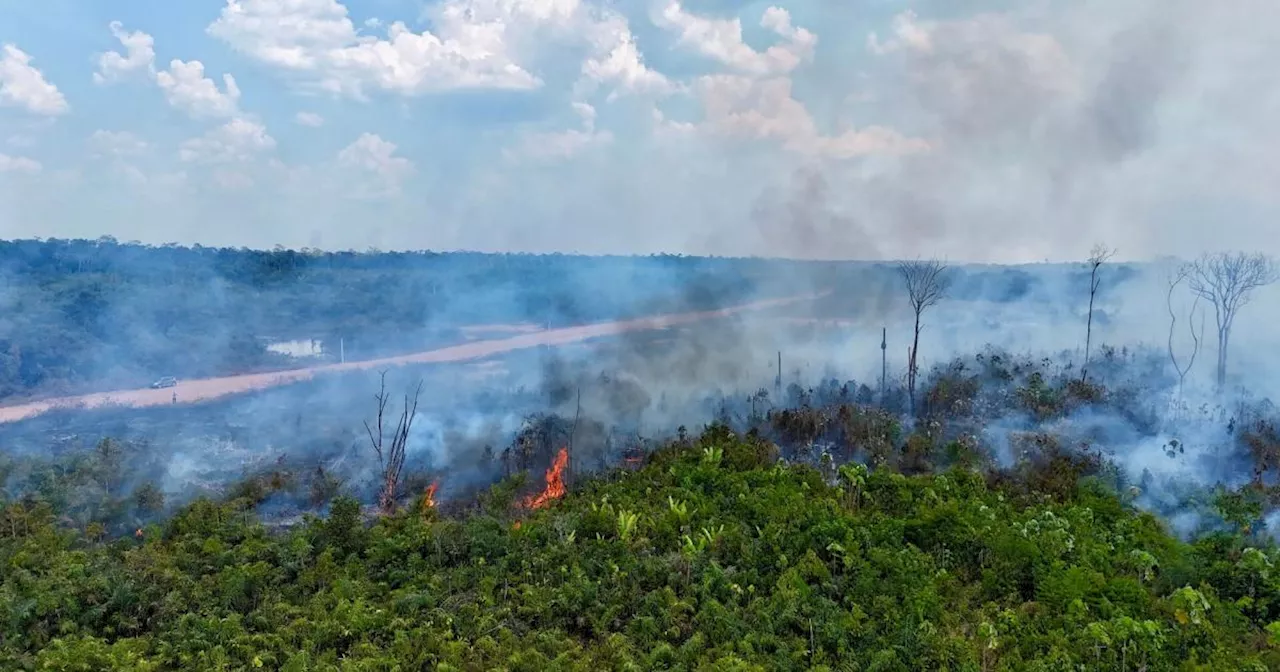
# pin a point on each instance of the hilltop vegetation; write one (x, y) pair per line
(823, 530)
(1008, 513)
(711, 556)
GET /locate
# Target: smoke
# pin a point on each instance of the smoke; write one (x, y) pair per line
(1048, 126)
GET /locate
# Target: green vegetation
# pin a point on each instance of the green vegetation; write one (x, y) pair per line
(712, 556)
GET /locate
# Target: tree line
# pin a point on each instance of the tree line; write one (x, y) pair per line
(1226, 281)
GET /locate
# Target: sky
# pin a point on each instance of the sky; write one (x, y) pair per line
(981, 130)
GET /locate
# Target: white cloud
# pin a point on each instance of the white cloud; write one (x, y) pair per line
(105, 143)
(669, 129)
(476, 44)
(22, 85)
(187, 89)
(309, 119)
(370, 155)
(756, 101)
(616, 60)
(907, 34)
(721, 39)
(19, 164)
(316, 38)
(237, 140)
(140, 54)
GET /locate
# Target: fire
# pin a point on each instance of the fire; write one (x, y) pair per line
(429, 497)
(555, 482)
(138, 533)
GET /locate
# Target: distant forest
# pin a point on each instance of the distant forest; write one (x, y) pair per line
(84, 315)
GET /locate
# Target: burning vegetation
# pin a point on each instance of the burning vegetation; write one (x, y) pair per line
(429, 496)
(555, 488)
(970, 524)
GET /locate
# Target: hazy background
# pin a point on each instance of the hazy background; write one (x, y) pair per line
(979, 131)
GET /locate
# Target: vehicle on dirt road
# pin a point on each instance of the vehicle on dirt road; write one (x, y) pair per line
(167, 381)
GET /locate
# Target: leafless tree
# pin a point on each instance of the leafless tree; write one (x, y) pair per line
(1178, 277)
(927, 283)
(1227, 280)
(391, 458)
(1098, 256)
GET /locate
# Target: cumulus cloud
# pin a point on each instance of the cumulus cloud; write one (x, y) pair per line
(187, 89)
(184, 83)
(989, 131)
(317, 40)
(237, 140)
(22, 85)
(721, 39)
(372, 158)
(19, 164)
(477, 44)
(140, 55)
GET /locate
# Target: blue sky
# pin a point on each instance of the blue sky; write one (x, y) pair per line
(983, 130)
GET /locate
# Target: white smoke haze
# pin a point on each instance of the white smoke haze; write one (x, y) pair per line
(647, 384)
(979, 133)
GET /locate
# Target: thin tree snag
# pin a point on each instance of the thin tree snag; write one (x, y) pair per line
(391, 458)
(1227, 280)
(1196, 339)
(927, 284)
(1098, 256)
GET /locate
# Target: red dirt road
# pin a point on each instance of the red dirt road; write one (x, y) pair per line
(189, 391)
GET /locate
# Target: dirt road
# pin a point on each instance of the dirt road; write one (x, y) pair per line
(189, 391)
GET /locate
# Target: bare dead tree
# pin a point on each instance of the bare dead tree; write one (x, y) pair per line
(927, 283)
(1098, 256)
(1174, 281)
(391, 458)
(1227, 280)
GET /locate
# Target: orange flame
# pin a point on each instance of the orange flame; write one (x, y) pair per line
(429, 497)
(555, 482)
(515, 525)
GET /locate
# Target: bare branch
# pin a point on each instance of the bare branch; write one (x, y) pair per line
(1227, 281)
(927, 282)
(381, 397)
(391, 459)
(1099, 255)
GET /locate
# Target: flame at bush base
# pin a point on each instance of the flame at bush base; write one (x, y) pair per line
(429, 496)
(555, 482)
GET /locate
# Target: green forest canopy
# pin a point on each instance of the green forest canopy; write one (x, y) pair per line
(712, 556)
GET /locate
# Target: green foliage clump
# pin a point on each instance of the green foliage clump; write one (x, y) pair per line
(713, 556)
